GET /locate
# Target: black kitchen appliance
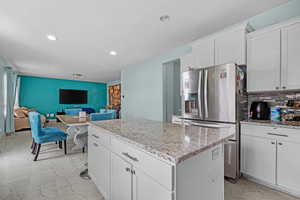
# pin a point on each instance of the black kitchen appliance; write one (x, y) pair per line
(259, 111)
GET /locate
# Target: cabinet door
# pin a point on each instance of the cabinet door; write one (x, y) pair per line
(186, 62)
(121, 179)
(203, 53)
(259, 158)
(290, 57)
(263, 67)
(103, 170)
(145, 188)
(92, 159)
(231, 48)
(288, 165)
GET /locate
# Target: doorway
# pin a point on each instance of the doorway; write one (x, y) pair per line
(171, 90)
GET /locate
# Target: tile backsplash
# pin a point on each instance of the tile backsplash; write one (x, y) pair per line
(273, 98)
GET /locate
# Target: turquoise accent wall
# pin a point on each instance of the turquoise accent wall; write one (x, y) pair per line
(42, 94)
(142, 83)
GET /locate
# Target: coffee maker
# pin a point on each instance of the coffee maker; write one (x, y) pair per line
(259, 110)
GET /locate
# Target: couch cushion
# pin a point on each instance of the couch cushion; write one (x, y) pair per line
(19, 113)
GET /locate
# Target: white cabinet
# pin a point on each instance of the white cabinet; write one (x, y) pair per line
(273, 57)
(230, 47)
(128, 182)
(120, 179)
(227, 46)
(203, 53)
(271, 155)
(263, 69)
(288, 165)
(258, 158)
(290, 56)
(187, 61)
(146, 188)
(99, 170)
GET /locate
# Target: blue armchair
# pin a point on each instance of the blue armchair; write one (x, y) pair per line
(109, 111)
(44, 135)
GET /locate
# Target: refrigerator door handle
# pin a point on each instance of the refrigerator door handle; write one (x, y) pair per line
(200, 95)
(205, 93)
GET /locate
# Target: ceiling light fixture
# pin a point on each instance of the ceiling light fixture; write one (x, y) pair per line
(113, 53)
(77, 76)
(164, 18)
(51, 37)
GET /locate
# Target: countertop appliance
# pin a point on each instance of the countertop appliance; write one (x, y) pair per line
(259, 110)
(214, 96)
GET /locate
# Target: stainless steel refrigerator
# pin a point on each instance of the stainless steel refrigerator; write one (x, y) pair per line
(216, 97)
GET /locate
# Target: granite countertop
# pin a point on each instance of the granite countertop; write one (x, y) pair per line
(171, 142)
(286, 124)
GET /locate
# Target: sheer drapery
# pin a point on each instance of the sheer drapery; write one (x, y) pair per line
(10, 83)
(1, 100)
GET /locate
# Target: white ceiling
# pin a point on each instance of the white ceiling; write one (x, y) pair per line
(87, 30)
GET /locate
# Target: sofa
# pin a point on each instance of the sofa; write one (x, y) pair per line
(21, 118)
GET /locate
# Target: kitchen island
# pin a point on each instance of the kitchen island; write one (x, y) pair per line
(146, 160)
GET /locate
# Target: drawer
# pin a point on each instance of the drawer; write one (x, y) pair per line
(159, 170)
(278, 133)
(99, 135)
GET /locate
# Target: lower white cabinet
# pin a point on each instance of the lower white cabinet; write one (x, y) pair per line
(123, 172)
(259, 158)
(271, 155)
(145, 188)
(99, 170)
(121, 179)
(288, 165)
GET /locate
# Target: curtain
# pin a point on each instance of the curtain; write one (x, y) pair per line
(17, 104)
(1, 101)
(10, 82)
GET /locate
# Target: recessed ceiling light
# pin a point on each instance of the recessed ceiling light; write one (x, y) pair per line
(51, 37)
(113, 53)
(164, 18)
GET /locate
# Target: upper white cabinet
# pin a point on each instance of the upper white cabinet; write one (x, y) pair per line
(230, 47)
(291, 56)
(227, 46)
(264, 61)
(187, 61)
(273, 57)
(203, 53)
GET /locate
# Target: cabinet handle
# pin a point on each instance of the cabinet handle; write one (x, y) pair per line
(283, 87)
(96, 145)
(272, 142)
(277, 88)
(275, 134)
(130, 157)
(127, 169)
(133, 172)
(95, 136)
(280, 143)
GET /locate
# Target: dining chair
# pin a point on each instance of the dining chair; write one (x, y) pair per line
(44, 135)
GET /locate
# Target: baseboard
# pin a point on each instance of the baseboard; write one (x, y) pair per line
(274, 187)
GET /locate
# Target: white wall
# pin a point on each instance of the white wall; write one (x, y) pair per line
(142, 83)
(142, 87)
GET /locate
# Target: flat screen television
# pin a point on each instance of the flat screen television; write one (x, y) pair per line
(73, 96)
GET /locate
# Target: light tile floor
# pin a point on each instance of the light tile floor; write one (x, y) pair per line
(56, 176)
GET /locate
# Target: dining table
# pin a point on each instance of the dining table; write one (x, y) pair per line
(77, 129)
